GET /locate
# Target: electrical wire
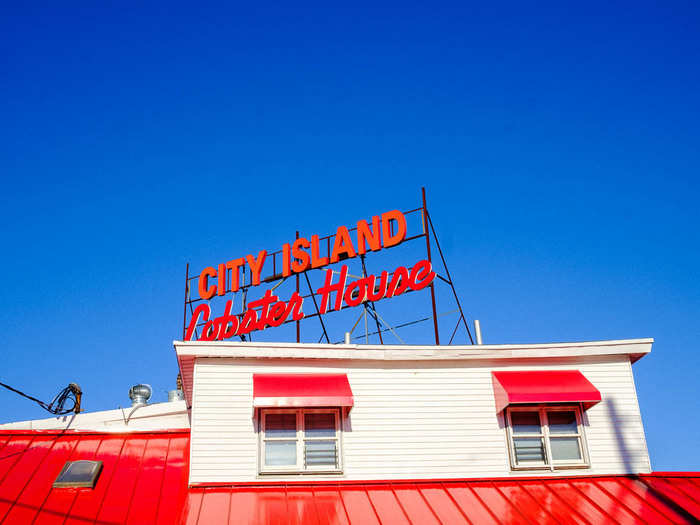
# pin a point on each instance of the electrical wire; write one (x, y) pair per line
(71, 393)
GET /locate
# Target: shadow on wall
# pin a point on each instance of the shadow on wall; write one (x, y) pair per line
(619, 436)
(626, 458)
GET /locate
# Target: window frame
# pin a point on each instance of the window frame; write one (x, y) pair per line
(300, 438)
(549, 463)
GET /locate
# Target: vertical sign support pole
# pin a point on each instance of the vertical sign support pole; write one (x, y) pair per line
(298, 322)
(187, 289)
(430, 260)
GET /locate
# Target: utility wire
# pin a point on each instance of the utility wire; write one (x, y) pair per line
(71, 393)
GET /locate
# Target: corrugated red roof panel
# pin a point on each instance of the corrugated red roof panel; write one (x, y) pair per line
(144, 480)
(131, 488)
(573, 500)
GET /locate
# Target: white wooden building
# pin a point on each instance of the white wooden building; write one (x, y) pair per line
(414, 412)
(358, 435)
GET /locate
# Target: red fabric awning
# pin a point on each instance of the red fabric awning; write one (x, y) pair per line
(301, 390)
(543, 386)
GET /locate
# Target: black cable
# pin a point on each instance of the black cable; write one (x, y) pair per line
(71, 393)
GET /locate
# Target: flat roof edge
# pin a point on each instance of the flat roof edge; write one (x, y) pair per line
(633, 347)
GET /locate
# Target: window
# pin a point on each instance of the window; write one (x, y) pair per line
(300, 441)
(546, 437)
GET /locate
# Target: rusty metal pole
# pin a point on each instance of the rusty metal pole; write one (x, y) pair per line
(187, 289)
(454, 292)
(313, 297)
(298, 322)
(376, 320)
(430, 260)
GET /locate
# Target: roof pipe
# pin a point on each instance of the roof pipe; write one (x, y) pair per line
(477, 330)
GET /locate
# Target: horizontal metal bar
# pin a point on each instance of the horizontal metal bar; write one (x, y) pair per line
(326, 237)
(401, 325)
(323, 268)
(311, 316)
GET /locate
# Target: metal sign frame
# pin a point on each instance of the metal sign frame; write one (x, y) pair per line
(369, 307)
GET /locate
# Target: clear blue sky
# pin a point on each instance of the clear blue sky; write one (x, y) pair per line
(558, 144)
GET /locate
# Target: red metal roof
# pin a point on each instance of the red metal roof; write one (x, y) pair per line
(670, 498)
(144, 480)
(301, 390)
(543, 386)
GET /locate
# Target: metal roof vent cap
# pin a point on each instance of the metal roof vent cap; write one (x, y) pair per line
(140, 394)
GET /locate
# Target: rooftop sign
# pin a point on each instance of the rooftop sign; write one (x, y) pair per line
(385, 231)
(310, 276)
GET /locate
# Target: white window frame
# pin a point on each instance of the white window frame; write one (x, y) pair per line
(549, 463)
(300, 438)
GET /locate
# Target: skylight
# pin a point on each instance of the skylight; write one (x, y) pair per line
(82, 473)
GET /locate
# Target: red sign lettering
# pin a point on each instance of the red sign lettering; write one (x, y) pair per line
(383, 231)
(270, 311)
(386, 231)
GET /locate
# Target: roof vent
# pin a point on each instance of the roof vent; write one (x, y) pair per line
(140, 394)
(82, 473)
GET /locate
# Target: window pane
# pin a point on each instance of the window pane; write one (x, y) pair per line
(319, 424)
(562, 422)
(320, 453)
(280, 453)
(281, 425)
(526, 422)
(565, 449)
(528, 450)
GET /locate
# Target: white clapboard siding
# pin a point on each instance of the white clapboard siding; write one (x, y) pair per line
(411, 419)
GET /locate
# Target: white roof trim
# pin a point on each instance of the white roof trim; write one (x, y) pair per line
(189, 351)
(153, 417)
(633, 347)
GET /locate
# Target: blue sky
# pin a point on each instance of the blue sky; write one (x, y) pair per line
(558, 145)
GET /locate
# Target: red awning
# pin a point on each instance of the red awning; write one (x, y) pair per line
(301, 390)
(543, 386)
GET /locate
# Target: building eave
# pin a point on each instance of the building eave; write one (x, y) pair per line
(189, 351)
